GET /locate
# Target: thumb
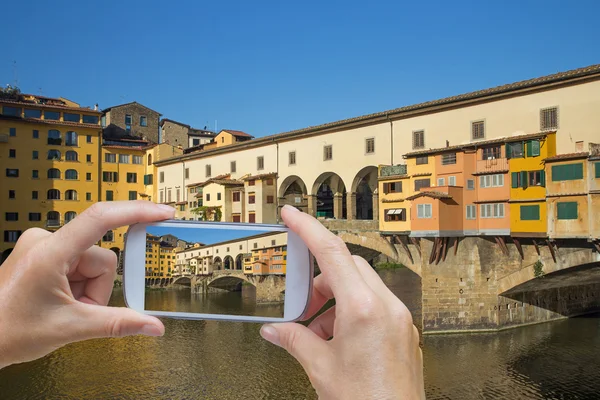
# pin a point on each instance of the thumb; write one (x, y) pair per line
(302, 343)
(102, 321)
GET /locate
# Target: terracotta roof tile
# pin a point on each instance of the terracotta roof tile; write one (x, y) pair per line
(568, 156)
(260, 176)
(180, 203)
(237, 133)
(50, 122)
(223, 176)
(225, 182)
(429, 193)
(395, 200)
(49, 106)
(115, 146)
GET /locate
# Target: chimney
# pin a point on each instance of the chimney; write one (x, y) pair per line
(96, 107)
(447, 143)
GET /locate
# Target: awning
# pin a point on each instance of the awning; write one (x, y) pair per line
(396, 211)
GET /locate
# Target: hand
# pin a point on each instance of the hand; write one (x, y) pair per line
(374, 352)
(54, 287)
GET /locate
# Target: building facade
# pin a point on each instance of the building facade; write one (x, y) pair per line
(131, 120)
(179, 134)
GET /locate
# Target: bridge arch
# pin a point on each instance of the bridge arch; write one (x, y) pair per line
(183, 280)
(364, 186)
(330, 190)
(230, 281)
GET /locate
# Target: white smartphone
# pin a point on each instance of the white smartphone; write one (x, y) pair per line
(217, 271)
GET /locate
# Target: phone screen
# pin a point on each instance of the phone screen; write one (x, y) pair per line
(215, 271)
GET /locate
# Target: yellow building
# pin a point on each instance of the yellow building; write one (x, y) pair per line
(394, 209)
(160, 258)
(528, 183)
(50, 161)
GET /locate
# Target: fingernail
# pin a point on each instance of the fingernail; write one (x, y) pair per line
(166, 207)
(150, 330)
(270, 334)
(288, 207)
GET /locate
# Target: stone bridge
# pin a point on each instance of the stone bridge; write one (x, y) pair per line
(487, 283)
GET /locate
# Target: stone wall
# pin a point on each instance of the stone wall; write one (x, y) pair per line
(175, 134)
(117, 127)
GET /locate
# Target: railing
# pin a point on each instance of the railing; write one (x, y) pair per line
(53, 223)
(491, 165)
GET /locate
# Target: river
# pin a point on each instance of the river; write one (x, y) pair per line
(219, 360)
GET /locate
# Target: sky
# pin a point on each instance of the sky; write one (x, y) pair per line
(272, 66)
(205, 236)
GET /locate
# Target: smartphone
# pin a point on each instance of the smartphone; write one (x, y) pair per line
(217, 271)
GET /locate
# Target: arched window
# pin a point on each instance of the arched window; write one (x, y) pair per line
(69, 215)
(71, 174)
(149, 159)
(53, 194)
(53, 173)
(52, 218)
(54, 137)
(71, 155)
(71, 195)
(71, 139)
(108, 237)
(54, 155)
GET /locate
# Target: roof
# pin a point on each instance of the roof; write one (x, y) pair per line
(237, 133)
(179, 203)
(393, 200)
(162, 122)
(479, 143)
(260, 176)
(201, 132)
(116, 146)
(223, 176)
(224, 182)
(242, 239)
(49, 106)
(50, 122)
(430, 193)
(129, 104)
(568, 156)
(496, 93)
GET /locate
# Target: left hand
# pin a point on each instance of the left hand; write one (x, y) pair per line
(54, 287)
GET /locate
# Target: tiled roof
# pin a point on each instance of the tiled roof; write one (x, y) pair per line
(432, 194)
(566, 194)
(568, 156)
(224, 176)
(49, 106)
(115, 146)
(225, 182)
(128, 104)
(396, 200)
(260, 176)
(422, 174)
(237, 133)
(162, 122)
(50, 122)
(179, 203)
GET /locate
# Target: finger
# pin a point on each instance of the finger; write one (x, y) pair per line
(302, 343)
(321, 294)
(88, 228)
(100, 322)
(96, 269)
(28, 239)
(335, 261)
(322, 326)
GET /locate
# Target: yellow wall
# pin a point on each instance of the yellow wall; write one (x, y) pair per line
(395, 200)
(519, 226)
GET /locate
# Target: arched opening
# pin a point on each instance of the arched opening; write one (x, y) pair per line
(71, 156)
(330, 194)
(71, 139)
(53, 173)
(70, 174)
(53, 194)
(149, 159)
(108, 237)
(239, 262)
(69, 216)
(53, 155)
(228, 262)
(217, 263)
(5, 255)
(117, 252)
(364, 186)
(54, 137)
(71, 195)
(52, 219)
(293, 192)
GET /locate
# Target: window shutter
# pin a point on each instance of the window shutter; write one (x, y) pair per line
(543, 178)
(529, 145)
(507, 150)
(514, 177)
(524, 181)
(566, 210)
(597, 166)
(535, 148)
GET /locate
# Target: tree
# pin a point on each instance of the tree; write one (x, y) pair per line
(10, 92)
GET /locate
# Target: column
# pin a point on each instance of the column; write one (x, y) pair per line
(351, 205)
(312, 204)
(337, 206)
(375, 205)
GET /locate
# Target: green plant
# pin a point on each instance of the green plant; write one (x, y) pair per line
(207, 213)
(538, 269)
(218, 214)
(10, 92)
(389, 265)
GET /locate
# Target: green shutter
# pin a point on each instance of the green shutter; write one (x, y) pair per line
(528, 148)
(567, 172)
(507, 150)
(524, 179)
(597, 166)
(566, 210)
(514, 177)
(530, 213)
(543, 178)
(535, 148)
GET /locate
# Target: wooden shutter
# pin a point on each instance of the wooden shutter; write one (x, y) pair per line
(566, 210)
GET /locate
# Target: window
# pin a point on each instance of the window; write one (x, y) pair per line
(53, 194)
(487, 181)
(514, 150)
(292, 158)
(219, 196)
(568, 172)
(35, 174)
(71, 174)
(327, 152)
(11, 236)
(392, 187)
(161, 177)
(187, 173)
(12, 172)
(530, 213)
(149, 159)
(537, 178)
(448, 159)
(398, 214)
(252, 220)
(110, 176)
(12, 132)
(148, 179)
(169, 195)
(31, 113)
(131, 177)
(519, 179)
(195, 142)
(208, 171)
(478, 130)
(270, 199)
(127, 122)
(491, 153)
(421, 183)
(88, 196)
(35, 216)
(451, 181)
(34, 195)
(137, 160)
(441, 182)
(11, 216)
(370, 145)
(12, 153)
(71, 155)
(566, 210)
(11, 194)
(71, 117)
(108, 237)
(88, 158)
(492, 210)
(207, 196)
(423, 210)
(132, 195)
(35, 155)
(422, 160)
(123, 158)
(88, 139)
(418, 139)
(251, 182)
(260, 163)
(470, 184)
(36, 134)
(549, 118)
(88, 176)
(471, 212)
(251, 198)
(236, 197)
(110, 158)
(533, 148)
(143, 120)
(71, 195)
(232, 166)
(91, 119)
(52, 115)
(269, 182)
(54, 137)
(597, 170)
(109, 195)
(162, 197)
(178, 195)
(12, 111)
(69, 216)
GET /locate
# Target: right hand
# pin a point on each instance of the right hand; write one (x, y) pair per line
(374, 352)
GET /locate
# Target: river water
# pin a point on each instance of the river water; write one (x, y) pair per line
(219, 360)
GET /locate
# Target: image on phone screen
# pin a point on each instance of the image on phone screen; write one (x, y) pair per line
(215, 271)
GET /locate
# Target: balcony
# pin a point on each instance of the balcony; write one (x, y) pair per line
(491, 165)
(53, 223)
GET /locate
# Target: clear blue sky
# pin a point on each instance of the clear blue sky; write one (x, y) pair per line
(205, 236)
(271, 66)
